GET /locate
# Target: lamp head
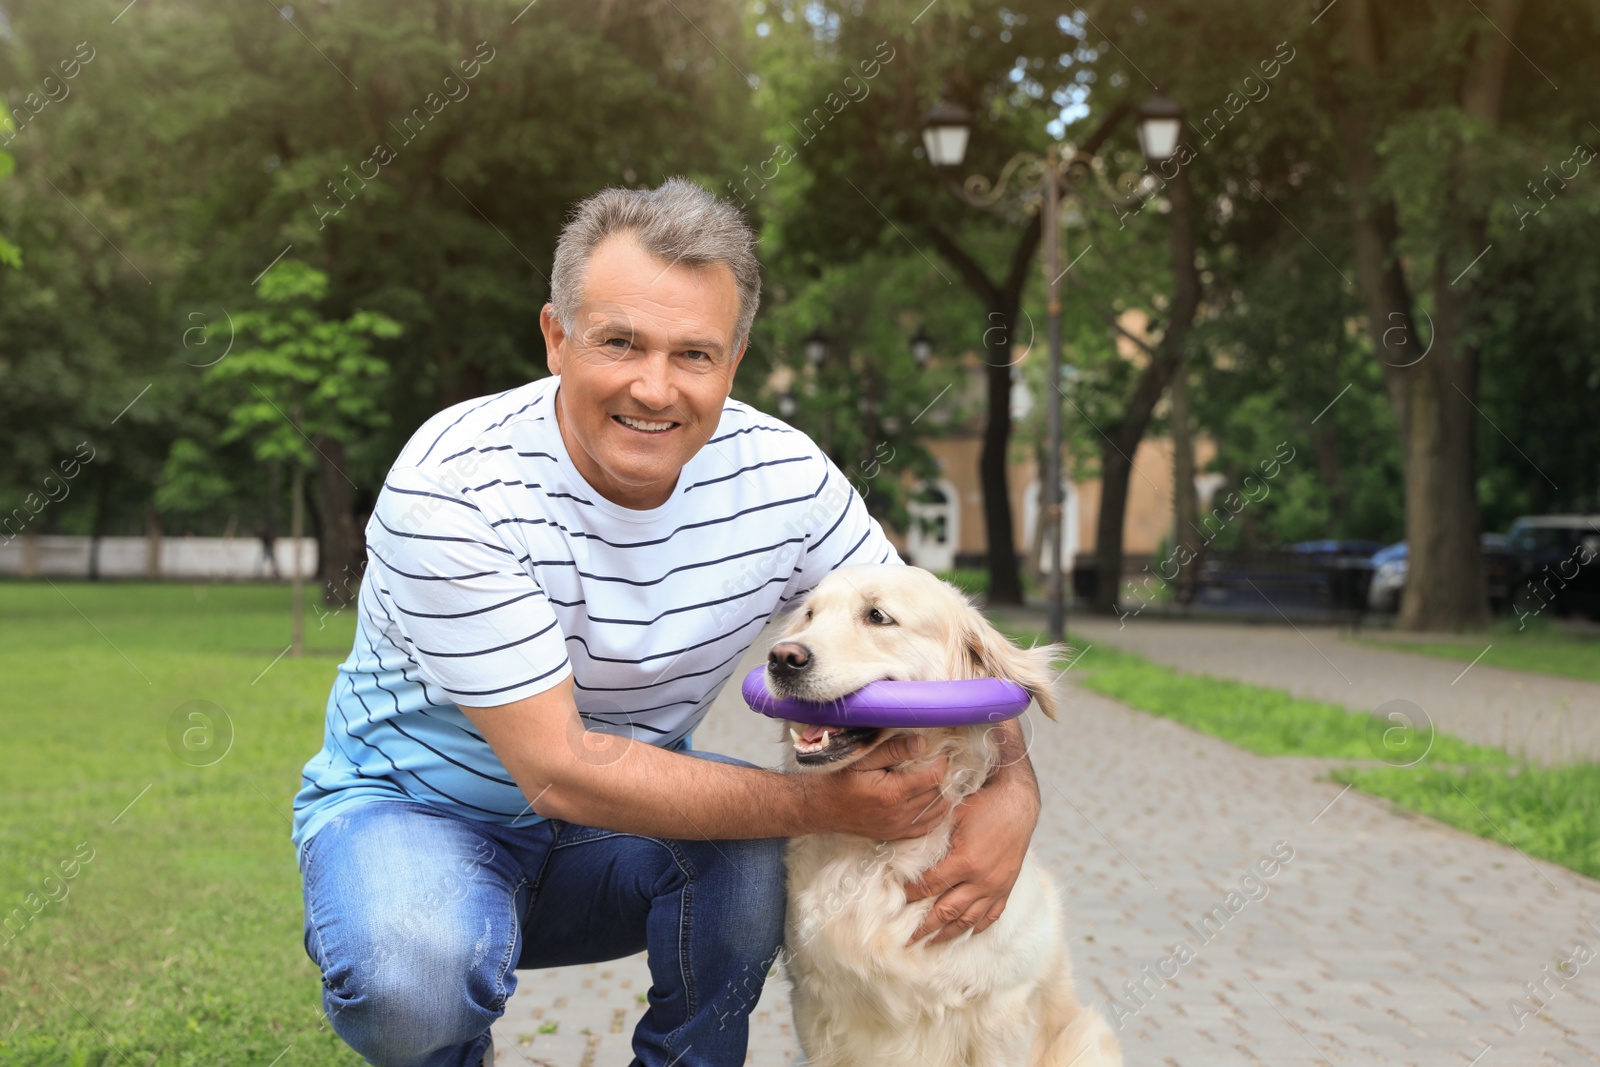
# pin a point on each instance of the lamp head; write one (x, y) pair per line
(1160, 125)
(945, 127)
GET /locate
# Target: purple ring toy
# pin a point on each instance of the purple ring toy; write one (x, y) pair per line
(911, 704)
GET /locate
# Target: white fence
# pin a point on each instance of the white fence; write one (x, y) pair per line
(187, 558)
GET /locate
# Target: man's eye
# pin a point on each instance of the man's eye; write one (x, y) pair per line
(878, 618)
(618, 343)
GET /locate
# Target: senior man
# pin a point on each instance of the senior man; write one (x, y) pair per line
(561, 577)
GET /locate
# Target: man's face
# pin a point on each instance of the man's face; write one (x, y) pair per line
(646, 371)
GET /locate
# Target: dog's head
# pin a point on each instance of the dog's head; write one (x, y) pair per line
(891, 623)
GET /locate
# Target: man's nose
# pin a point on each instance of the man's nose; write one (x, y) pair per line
(652, 384)
(788, 658)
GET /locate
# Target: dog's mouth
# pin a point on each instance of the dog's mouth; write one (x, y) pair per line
(818, 745)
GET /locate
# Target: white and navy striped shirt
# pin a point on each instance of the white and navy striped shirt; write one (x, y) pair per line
(495, 570)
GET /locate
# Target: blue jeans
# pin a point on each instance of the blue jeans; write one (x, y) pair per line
(418, 918)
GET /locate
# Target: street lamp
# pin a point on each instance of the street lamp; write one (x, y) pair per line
(945, 130)
(786, 406)
(815, 346)
(944, 134)
(922, 347)
(1160, 123)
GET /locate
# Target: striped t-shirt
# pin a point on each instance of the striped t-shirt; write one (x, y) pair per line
(494, 571)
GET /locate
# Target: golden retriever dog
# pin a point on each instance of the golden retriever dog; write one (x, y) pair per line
(862, 998)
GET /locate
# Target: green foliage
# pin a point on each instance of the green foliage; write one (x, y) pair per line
(191, 480)
(307, 375)
(862, 406)
(10, 254)
(193, 167)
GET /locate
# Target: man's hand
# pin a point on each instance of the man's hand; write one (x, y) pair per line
(988, 844)
(875, 799)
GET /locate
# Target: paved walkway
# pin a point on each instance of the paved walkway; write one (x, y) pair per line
(1386, 939)
(1544, 717)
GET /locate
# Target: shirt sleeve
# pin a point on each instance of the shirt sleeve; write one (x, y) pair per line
(477, 624)
(844, 535)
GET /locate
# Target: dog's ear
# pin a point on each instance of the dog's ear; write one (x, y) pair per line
(990, 654)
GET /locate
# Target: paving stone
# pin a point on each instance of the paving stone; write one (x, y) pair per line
(1385, 940)
(1545, 717)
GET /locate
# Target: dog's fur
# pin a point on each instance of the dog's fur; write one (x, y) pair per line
(1000, 998)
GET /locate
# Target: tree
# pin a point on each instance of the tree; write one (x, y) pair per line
(10, 254)
(844, 88)
(869, 405)
(308, 385)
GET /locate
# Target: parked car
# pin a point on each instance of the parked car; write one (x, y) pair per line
(1558, 564)
(1501, 569)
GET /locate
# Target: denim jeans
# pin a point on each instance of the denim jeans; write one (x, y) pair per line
(418, 919)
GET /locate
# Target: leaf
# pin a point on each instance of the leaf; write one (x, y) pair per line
(291, 279)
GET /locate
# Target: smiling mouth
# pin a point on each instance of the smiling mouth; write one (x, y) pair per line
(643, 425)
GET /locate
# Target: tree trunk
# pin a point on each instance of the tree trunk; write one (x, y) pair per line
(269, 523)
(1433, 386)
(1185, 508)
(152, 543)
(102, 519)
(1115, 470)
(1445, 588)
(1005, 579)
(1121, 440)
(297, 523)
(341, 550)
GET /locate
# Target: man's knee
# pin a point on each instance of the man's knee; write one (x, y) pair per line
(414, 991)
(750, 888)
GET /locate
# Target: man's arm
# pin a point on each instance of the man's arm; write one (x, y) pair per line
(988, 844)
(598, 779)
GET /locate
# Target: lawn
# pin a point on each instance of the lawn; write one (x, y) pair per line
(1268, 722)
(1549, 812)
(1539, 647)
(153, 901)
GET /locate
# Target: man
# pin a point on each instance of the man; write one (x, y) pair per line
(560, 580)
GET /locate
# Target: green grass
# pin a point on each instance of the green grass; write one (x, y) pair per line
(1268, 722)
(1549, 812)
(179, 941)
(1543, 649)
(970, 580)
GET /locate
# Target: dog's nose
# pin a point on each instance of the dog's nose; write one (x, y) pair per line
(788, 657)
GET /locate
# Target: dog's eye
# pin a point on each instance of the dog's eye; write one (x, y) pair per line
(808, 615)
(878, 618)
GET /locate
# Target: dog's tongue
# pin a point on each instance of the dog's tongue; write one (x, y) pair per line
(812, 734)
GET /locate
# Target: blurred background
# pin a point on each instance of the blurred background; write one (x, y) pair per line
(250, 247)
(1324, 280)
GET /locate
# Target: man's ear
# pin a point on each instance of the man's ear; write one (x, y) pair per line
(555, 337)
(733, 367)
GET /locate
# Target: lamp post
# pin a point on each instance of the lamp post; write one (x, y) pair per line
(945, 131)
(815, 346)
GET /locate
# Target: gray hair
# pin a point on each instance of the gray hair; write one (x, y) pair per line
(677, 222)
